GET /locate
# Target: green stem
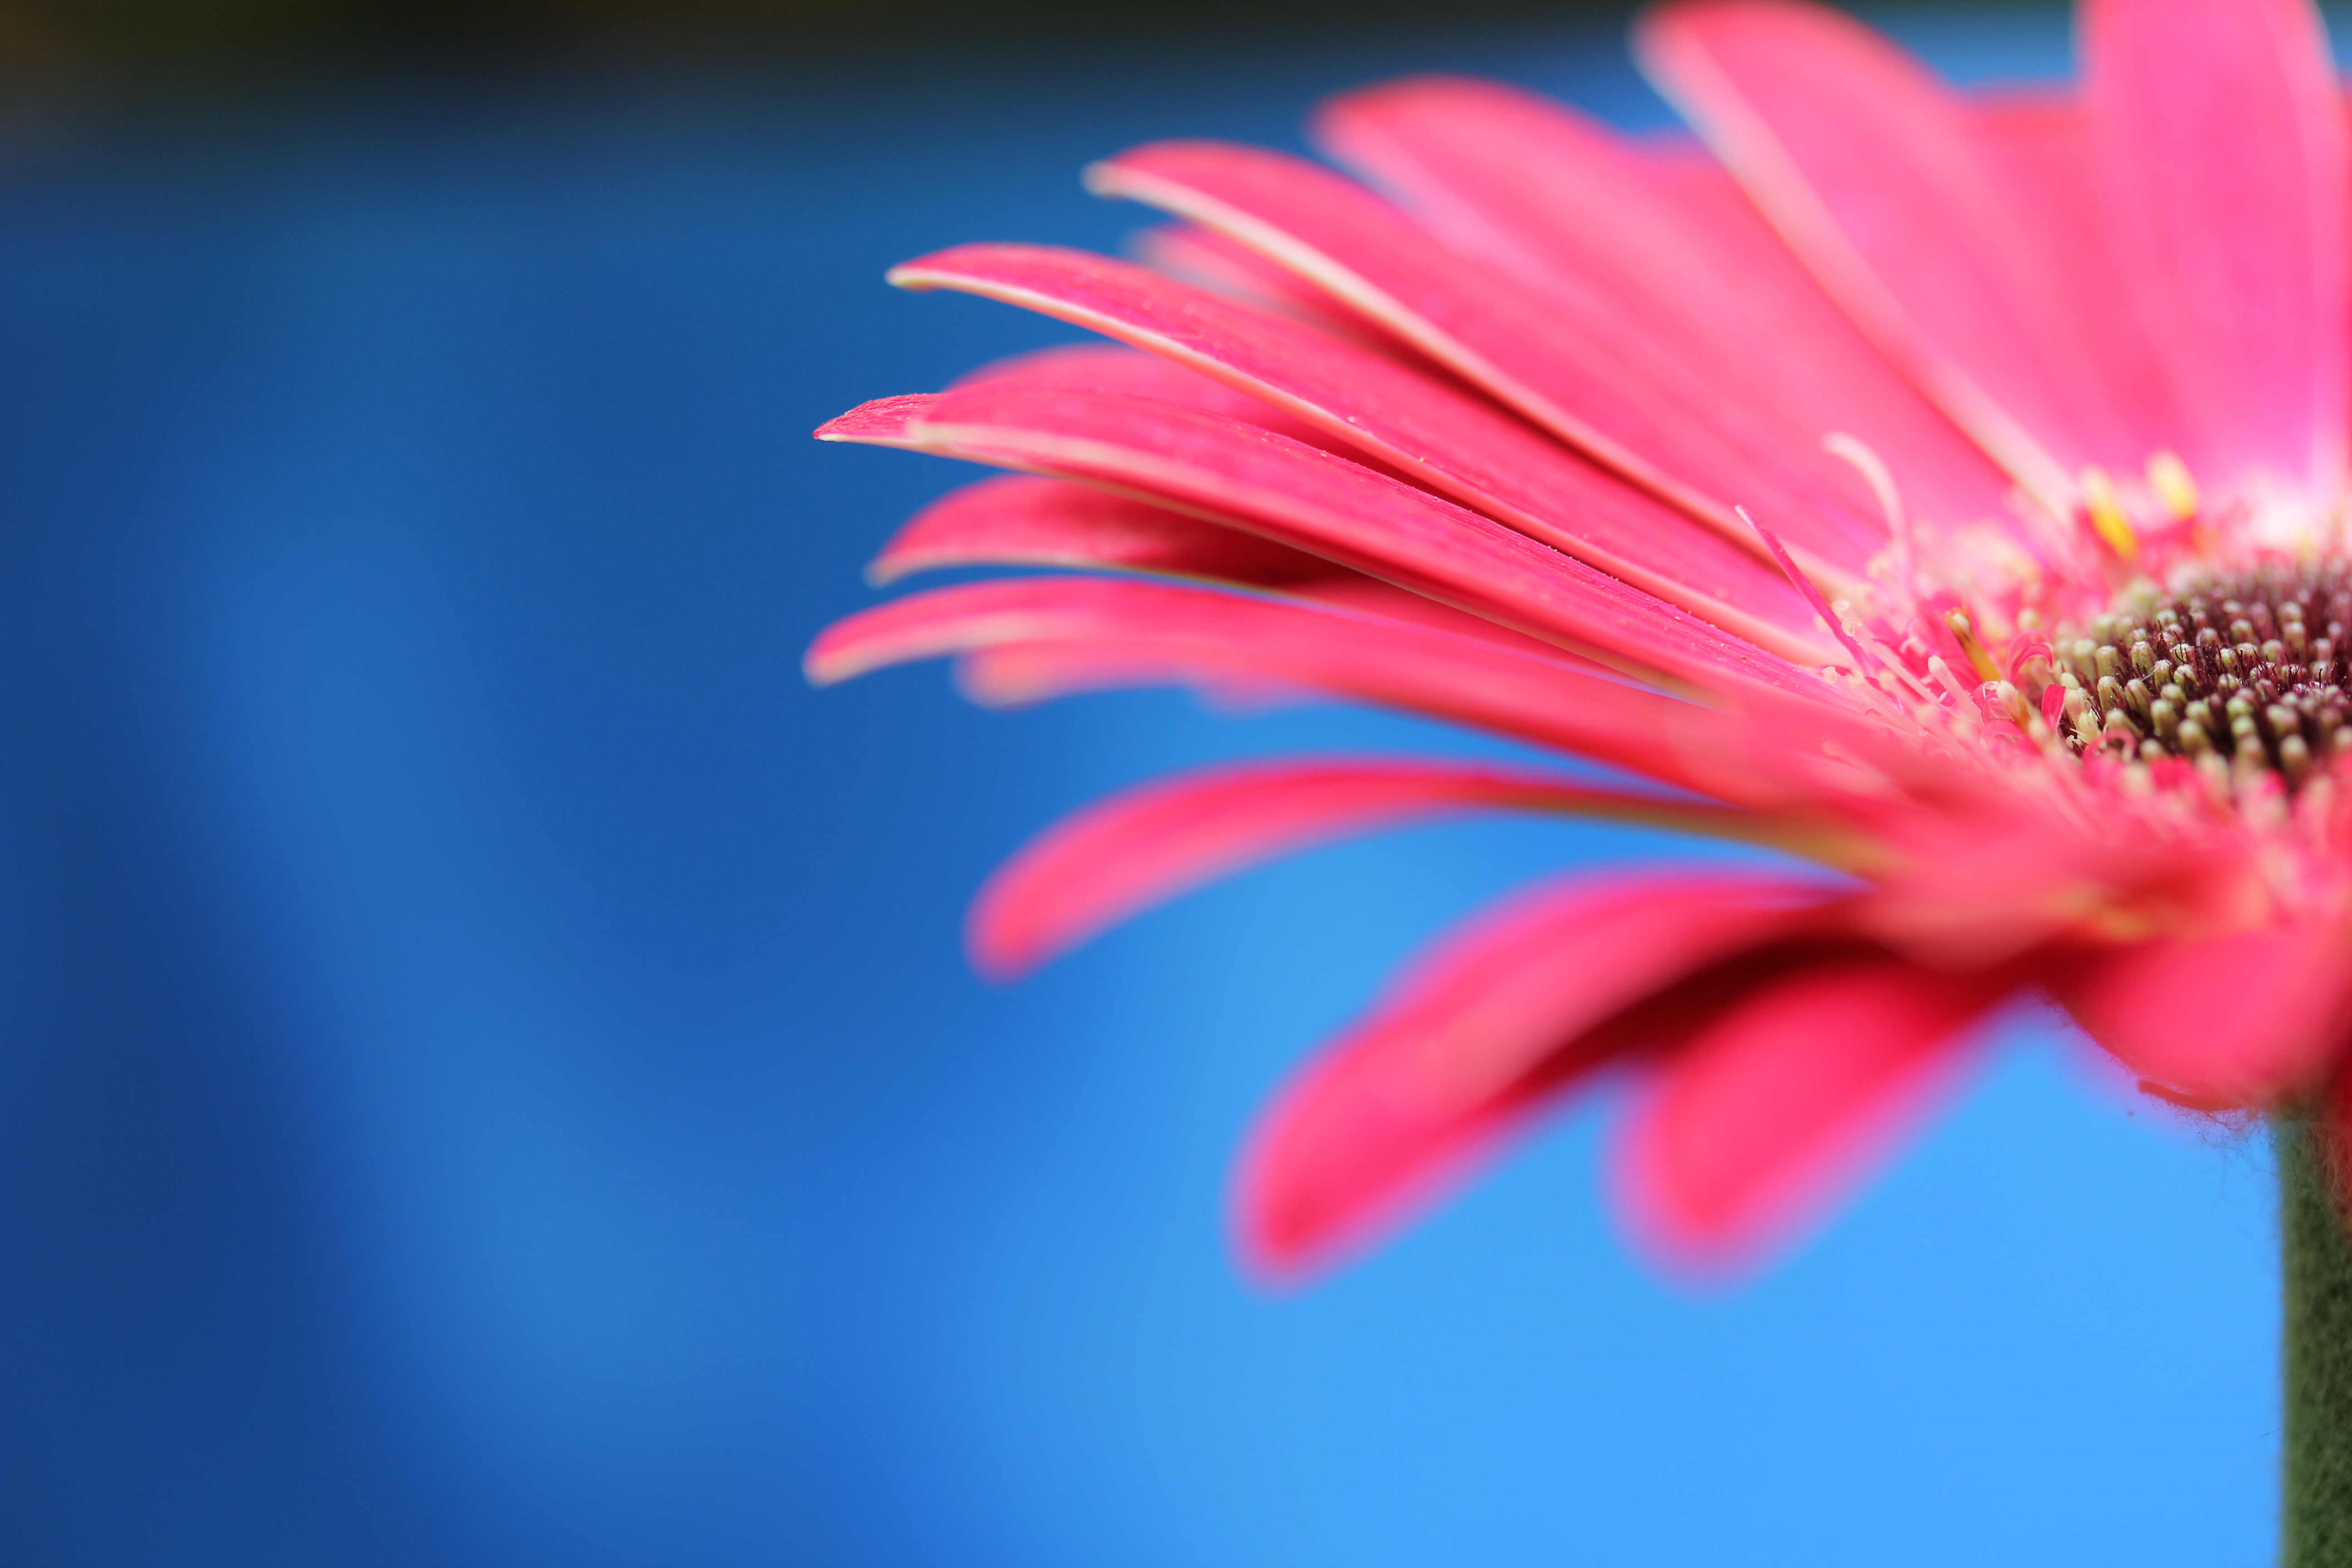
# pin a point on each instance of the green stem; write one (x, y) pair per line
(2315, 1438)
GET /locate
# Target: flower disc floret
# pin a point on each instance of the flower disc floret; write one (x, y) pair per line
(2243, 670)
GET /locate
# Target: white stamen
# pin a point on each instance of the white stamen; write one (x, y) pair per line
(1875, 474)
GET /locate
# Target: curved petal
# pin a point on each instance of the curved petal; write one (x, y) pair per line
(1440, 438)
(2222, 141)
(1772, 1106)
(1113, 368)
(1018, 521)
(1124, 372)
(1575, 364)
(2245, 1019)
(1313, 501)
(1216, 263)
(1121, 856)
(1880, 177)
(1502, 1015)
(884, 422)
(1523, 183)
(1096, 633)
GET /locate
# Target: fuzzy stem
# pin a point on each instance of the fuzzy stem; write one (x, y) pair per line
(2315, 1438)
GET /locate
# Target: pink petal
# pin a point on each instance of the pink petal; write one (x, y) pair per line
(1577, 365)
(1094, 633)
(1772, 1107)
(1313, 501)
(1986, 875)
(1107, 368)
(1881, 179)
(1204, 257)
(881, 423)
(1416, 427)
(2039, 149)
(2222, 131)
(1022, 522)
(1500, 1017)
(1123, 855)
(1117, 369)
(1524, 184)
(1344, 590)
(2244, 1019)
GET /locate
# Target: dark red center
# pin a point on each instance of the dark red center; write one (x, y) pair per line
(2248, 667)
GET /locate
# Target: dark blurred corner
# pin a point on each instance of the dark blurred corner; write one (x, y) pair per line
(201, 44)
(191, 40)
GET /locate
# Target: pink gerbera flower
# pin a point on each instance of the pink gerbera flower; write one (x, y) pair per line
(1947, 491)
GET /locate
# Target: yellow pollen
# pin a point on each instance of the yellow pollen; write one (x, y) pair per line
(1985, 668)
(2167, 476)
(2107, 513)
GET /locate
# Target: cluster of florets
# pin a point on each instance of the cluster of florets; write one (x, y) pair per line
(2239, 672)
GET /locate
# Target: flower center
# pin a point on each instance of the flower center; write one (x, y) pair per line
(2246, 668)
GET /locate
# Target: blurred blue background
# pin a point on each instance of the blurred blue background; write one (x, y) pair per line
(486, 1074)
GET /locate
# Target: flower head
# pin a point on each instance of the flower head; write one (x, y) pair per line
(1949, 491)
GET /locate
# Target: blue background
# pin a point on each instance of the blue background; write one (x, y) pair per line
(486, 1075)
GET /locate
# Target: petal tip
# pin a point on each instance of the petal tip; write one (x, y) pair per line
(1659, 1217)
(1301, 1205)
(817, 669)
(881, 421)
(995, 946)
(1100, 178)
(847, 649)
(1280, 1241)
(923, 273)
